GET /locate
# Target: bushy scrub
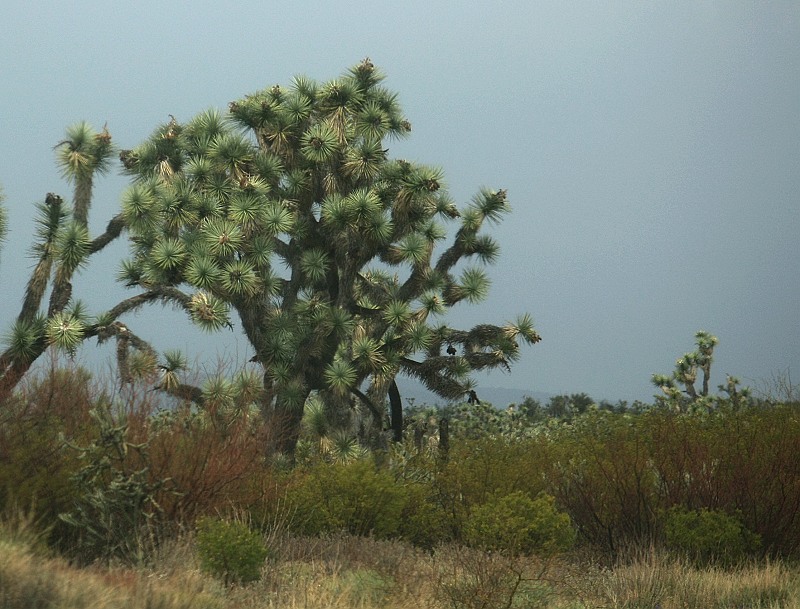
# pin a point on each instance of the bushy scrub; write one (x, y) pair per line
(517, 524)
(210, 466)
(480, 469)
(36, 467)
(708, 536)
(356, 497)
(230, 550)
(115, 510)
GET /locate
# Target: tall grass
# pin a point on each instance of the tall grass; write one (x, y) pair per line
(343, 571)
(664, 582)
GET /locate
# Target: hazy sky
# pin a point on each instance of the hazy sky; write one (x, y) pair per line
(651, 151)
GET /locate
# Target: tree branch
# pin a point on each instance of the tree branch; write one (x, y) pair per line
(113, 230)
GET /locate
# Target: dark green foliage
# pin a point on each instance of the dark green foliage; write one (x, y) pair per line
(230, 550)
(478, 470)
(707, 536)
(517, 524)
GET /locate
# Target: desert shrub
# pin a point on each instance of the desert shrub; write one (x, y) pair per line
(480, 469)
(602, 475)
(423, 521)
(707, 536)
(36, 467)
(357, 497)
(114, 510)
(230, 550)
(469, 578)
(209, 466)
(741, 461)
(517, 524)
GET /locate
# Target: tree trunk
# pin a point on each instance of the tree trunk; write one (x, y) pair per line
(396, 412)
(444, 439)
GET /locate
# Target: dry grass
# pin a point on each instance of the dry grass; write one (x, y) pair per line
(359, 573)
(29, 580)
(654, 580)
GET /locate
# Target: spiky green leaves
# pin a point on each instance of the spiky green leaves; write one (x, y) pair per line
(357, 210)
(218, 391)
(231, 152)
(319, 143)
(72, 245)
(239, 279)
(523, 328)
(491, 204)
(473, 285)
(373, 122)
(174, 362)
(51, 216)
(364, 161)
(419, 336)
(246, 209)
(396, 312)
(222, 238)
(340, 376)
(138, 207)
(414, 249)
(168, 254)
(65, 331)
(277, 218)
(207, 311)
(83, 151)
(23, 338)
(203, 272)
(314, 264)
(367, 354)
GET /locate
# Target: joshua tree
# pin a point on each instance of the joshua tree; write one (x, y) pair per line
(62, 246)
(289, 213)
(687, 368)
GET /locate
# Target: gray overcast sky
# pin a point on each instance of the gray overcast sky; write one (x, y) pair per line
(651, 151)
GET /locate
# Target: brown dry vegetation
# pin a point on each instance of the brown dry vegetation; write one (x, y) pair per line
(351, 572)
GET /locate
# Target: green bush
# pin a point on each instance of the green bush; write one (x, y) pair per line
(357, 497)
(517, 524)
(708, 536)
(230, 550)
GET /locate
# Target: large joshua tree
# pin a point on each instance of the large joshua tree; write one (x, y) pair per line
(289, 214)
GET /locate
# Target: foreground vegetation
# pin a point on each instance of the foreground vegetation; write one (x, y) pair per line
(356, 572)
(132, 504)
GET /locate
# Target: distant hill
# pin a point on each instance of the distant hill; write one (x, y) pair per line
(414, 393)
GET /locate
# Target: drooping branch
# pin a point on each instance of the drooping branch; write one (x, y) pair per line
(165, 294)
(113, 230)
(376, 413)
(436, 374)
